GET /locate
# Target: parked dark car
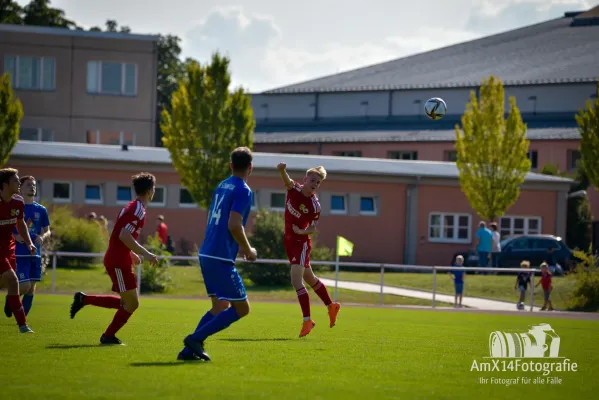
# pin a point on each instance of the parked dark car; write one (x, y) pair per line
(534, 248)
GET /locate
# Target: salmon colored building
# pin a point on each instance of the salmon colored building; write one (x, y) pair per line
(395, 211)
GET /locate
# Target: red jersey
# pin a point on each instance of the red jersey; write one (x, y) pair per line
(301, 211)
(132, 217)
(162, 231)
(546, 280)
(10, 213)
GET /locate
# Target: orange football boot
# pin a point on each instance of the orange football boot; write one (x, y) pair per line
(307, 327)
(333, 311)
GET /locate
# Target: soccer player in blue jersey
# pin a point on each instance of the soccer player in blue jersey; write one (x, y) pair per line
(225, 236)
(29, 268)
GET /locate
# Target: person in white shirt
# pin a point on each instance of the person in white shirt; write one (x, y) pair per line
(495, 246)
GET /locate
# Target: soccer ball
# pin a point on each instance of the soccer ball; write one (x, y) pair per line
(435, 108)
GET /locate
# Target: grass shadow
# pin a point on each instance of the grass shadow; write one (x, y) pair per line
(256, 339)
(165, 363)
(71, 346)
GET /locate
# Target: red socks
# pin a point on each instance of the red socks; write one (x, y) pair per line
(14, 302)
(321, 291)
(120, 319)
(304, 300)
(102, 301)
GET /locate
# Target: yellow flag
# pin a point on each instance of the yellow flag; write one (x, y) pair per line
(344, 246)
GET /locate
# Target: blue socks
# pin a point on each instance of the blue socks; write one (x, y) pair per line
(218, 323)
(205, 319)
(27, 302)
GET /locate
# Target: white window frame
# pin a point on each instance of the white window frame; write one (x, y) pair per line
(123, 202)
(94, 201)
(186, 205)
(369, 213)
(59, 200)
(526, 219)
(121, 138)
(15, 79)
(456, 228)
(255, 205)
(40, 132)
(163, 202)
(38, 189)
(279, 209)
(529, 155)
(403, 152)
(123, 78)
(345, 204)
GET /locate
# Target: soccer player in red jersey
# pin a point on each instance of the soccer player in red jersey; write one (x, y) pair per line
(122, 254)
(12, 208)
(302, 213)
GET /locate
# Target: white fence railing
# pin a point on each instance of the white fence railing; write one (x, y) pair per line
(379, 266)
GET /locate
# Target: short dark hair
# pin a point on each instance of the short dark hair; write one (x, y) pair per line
(241, 158)
(26, 178)
(494, 226)
(6, 174)
(143, 183)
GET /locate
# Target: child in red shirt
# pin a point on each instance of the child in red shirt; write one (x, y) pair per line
(547, 286)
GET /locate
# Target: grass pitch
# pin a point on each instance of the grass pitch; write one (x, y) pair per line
(372, 353)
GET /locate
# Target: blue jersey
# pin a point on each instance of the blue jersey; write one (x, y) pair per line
(36, 218)
(232, 194)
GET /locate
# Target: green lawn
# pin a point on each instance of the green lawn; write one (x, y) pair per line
(187, 281)
(495, 287)
(372, 353)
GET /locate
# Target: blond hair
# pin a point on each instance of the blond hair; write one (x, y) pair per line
(525, 264)
(320, 171)
(544, 264)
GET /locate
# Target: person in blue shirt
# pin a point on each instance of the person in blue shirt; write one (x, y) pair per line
(225, 237)
(484, 245)
(29, 268)
(458, 280)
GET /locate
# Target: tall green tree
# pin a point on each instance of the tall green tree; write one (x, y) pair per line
(206, 122)
(11, 112)
(588, 125)
(40, 13)
(10, 12)
(492, 151)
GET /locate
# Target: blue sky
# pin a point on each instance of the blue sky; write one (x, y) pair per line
(274, 43)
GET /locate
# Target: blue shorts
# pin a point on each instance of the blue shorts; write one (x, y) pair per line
(29, 269)
(459, 287)
(222, 280)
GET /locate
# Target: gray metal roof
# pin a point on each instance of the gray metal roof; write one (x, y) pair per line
(262, 161)
(399, 136)
(46, 30)
(545, 53)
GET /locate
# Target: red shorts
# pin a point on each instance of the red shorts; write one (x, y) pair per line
(298, 252)
(7, 263)
(123, 279)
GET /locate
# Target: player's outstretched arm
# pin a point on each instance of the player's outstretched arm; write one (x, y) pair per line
(282, 167)
(238, 232)
(126, 237)
(24, 233)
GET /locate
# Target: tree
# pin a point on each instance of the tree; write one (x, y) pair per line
(206, 123)
(11, 12)
(39, 13)
(492, 151)
(588, 125)
(11, 112)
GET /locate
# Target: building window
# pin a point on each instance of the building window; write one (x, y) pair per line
(453, 228)
(254, 200)
(296, 152)
(185, 198)
(338, 204)
(38, 190)
(108, 137)
(159, 198)
(451, 156)
(356, 153)
(36, 134)
(533, 157)
(31, 73)
(124, 194)
(277, 201)
(93, 194)
(519, 226)
(61, 192)
(112, 78)
(367, 205)
(403, 155)
(575, 159)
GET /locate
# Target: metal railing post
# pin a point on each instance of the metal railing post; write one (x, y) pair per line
(532, 291)
(54, 261)
(382, 283)
(434, 284)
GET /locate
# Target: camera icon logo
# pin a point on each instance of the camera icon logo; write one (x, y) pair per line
(540, 341)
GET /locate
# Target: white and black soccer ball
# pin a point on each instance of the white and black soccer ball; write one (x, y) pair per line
(435, 108)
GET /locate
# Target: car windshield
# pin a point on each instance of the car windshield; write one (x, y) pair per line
(504, 242)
